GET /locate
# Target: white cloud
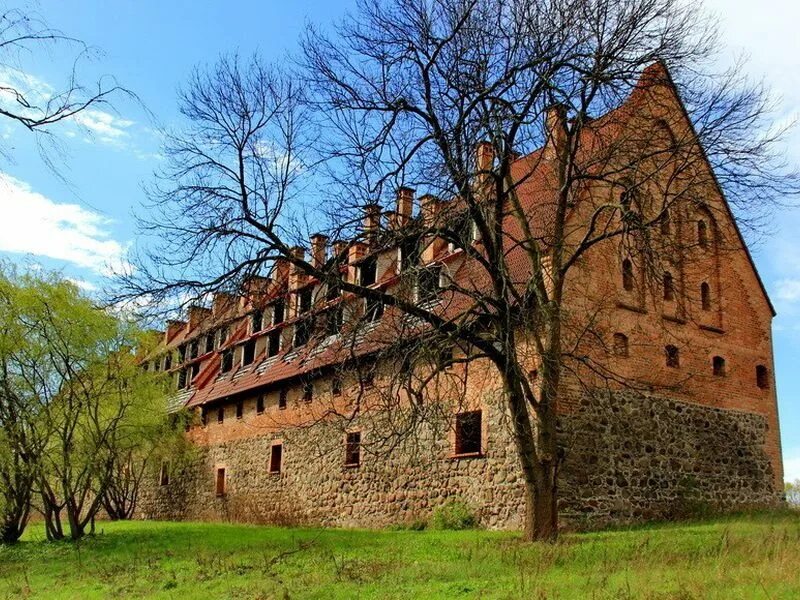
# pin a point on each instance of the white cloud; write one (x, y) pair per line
(788, 290)
(791, 468)
(108, 128)
(35, 225)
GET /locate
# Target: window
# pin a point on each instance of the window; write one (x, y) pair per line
(275, 458)
(208, 345)
(220, 482)
(283, 398)
(408, 253)
(260, 405)
(334, 320)
(194, 349)
(274, 343)
(673, 357)
(627, 275)
(718, 366)
(304, 300)
(182, 353)
(468, 432)
(368, 271)
(226, 361)
(334, 289)
(336, 385)
(620, 346)
(203, 416)
(256, 321)
(239, 409)
(221, 414)
(428, 283)
(373, 309)
(308, 391)
(669, 287)
(762, 377)
(195, 371)
(182, 379)
(278, 311)
(222, 336)
(702, 233)
(168, 361)
(705, 296)
(352, 449)
(163, 475)
(302, 332)
(249, 352)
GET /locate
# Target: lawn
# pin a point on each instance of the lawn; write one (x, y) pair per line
(755, 556)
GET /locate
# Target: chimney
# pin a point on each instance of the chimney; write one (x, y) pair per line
(253, 288)
(429, 207)
(222, 302)
(405, 206)
(280, 271)
(372, 219)
(197, 314)
(296, 275)
(174, 326)
(339, 247)
(555, 130)
(319, 243)
(356, 253)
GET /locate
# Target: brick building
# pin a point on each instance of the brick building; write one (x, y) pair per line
(684, 413)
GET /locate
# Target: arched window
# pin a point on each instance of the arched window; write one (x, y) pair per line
(673, 356)
(762, 377)
(620, 344)
(702, 233)
(669, 287)
(627, 274)
(705, 296)
(718, 366)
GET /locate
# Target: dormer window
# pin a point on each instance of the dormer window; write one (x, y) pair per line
(373, 309)
(256, 321)
(182, 375)
(222, 336)
(248, 352)
(226, 361)
(194, 371)
(429, 283)
(408, 253)
(334, 321)
(274, 343)
(168, 361)
(208, 345)
(278, 310)
(302, 332)
(304, 300)
(182, 353)
(368, 271)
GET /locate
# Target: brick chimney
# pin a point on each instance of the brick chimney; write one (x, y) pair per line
(198, 314)
(555, 130)
(296, 275)
(174, 327)
(222, 302)
(429, 207)
(405, 206)
(319, 245)
(372, 219)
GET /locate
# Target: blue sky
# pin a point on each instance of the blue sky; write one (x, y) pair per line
(82, 223)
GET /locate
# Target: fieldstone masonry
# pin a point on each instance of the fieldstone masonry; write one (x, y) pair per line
(627, 457)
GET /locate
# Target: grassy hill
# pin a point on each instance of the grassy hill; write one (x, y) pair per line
(755, 556)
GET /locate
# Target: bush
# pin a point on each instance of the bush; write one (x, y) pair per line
(453, 515)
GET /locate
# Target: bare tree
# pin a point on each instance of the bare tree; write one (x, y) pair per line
(446, 96)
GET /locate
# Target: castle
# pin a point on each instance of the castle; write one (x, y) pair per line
(271, 376)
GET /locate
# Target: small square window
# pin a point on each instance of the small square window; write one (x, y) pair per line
(248, 352)
(260, 405)
(221, 414)
(226, 361)
(275, 458)
(672, 356)
(239, 409)
(762, 377)
(718, 366)
(283, 398)
(308, 391)
(336, 385)
(468, 432)
(352, 452)
(274, 343)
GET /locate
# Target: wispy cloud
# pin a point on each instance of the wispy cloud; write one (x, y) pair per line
(107, 128)
(33, 224)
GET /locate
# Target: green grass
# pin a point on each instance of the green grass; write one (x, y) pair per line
(755, 556)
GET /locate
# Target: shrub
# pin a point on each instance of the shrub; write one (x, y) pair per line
(453, 515)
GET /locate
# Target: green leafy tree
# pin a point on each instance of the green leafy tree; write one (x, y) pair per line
(792, 492)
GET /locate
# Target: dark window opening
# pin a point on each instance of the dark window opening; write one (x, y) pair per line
(336, 385)
(249, 352)
(669, 287)
(226, 361)
(718, 366)
(203, 416)
(239, 409)
(468, 432)
(409, 253)
(334, 287)
(274, 343)
(182, 353)
(428, 283)
(352, 450)
(195, 371)
(304, 300)
(223, 336)
(705, 296)
(283, 398)
(621, 344)
(194, 349)
(278, 311)
(182, 376)
(260, 405)
(702, 233)
(220, 482)
(627, 275)
(221, 414)
(168, 361)
(334, 321)
(673, 356)
(308, 391)
(275, 458)
(163, 476)
(257, 321)
(762, 377)
(208, 346)
(368, 271)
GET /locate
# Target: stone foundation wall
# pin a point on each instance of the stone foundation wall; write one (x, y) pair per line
(626, 458)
